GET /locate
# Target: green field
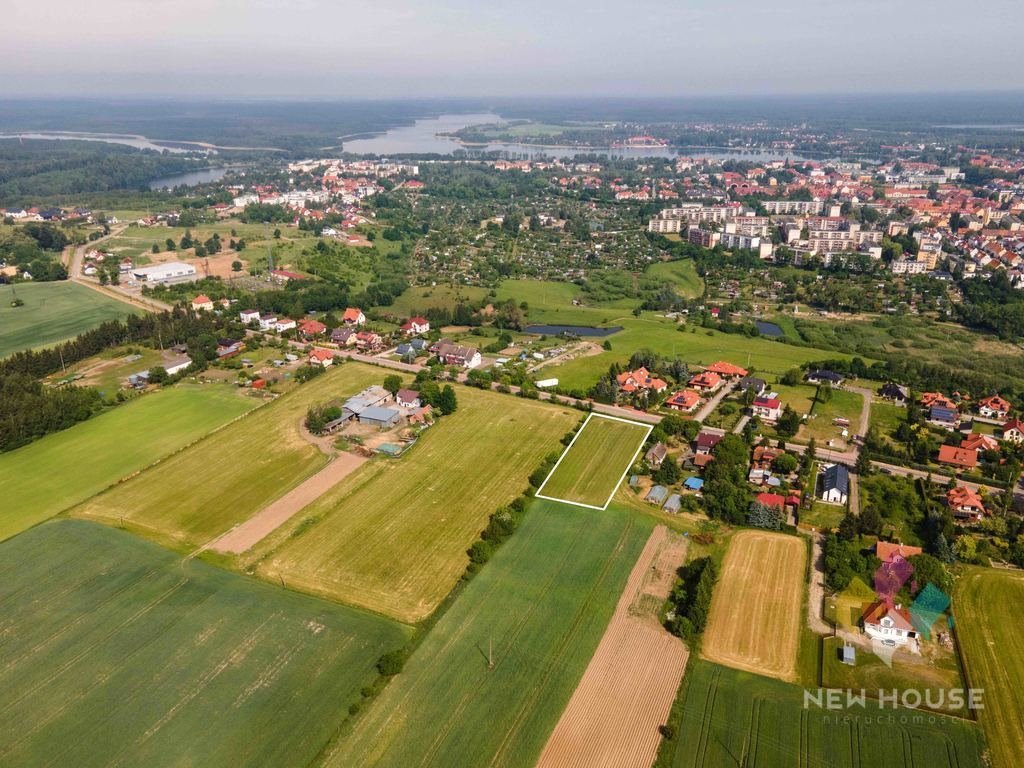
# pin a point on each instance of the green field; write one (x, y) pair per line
(393, 536)
(52, 312)
(539, 607)
(118, 653)
(420, 298)
(550, 301)
(737, 718)
(680, 274)
(987, 611)
(199, 493)
(592, 466)
(844, 404)
(65, 468)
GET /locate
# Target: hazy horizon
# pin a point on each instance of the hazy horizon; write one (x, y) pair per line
(313, 49)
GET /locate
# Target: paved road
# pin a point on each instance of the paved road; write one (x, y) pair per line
(865, 411)
(894, 469)
(738, 429)
(706, 409)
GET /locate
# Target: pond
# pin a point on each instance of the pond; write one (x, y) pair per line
(204, 176)
(768, 329)
(572, 330)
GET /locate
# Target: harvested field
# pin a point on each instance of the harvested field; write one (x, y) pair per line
(593, 465)
(612, 718)
(756, 611)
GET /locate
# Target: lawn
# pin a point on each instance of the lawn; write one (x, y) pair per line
(550, 301)
(737, 718)
(118, 653)
(65, 468)
(420, 298)
(52, 312)
(843, 404)
(987, 611)
(823, 516)
(799, 397)
(680, 274)
(198, 494)
(393, 536)
(887, 417)
(593, 465)
(539, 609)
(697, 346)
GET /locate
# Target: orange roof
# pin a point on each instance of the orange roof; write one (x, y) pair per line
(958, 457)
(202, 298)
(685, 399)
(879, 609)
(707, 379)
(995, 402)
(975, 442)
(351, 314)
(961, 496)
(726, 369)
(321, 354)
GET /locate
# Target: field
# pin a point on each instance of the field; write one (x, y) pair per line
(420, 298)
(538, 609)
(987, 611)
(52, 312)
(116, 652)
(736, 718)
(627, 691)
(200, 493)
(592, 467)
(393, 536)
(550, 301)
(756, 612)
(680, 274)
(65, 468)
(844, 404)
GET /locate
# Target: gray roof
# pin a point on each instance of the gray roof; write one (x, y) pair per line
(674, 503)
(657, 494)
(379, 414)
(836, 477)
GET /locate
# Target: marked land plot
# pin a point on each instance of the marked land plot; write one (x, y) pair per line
(595, 462)
(756, 611)
(612, 718)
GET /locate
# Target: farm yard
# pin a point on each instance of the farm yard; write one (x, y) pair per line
(97, 453)
(539, 610)
(756, 612)
(116, 652)
(593, 465)
(52, 312)
(627, 690)
(393, 536)
(737, 718)
(197, 494)
(987, 611)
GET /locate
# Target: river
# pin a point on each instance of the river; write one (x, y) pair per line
(189, 179)
(139, 142)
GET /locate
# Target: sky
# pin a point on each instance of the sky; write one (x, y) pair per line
(336, 49)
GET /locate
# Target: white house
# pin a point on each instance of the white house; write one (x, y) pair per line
(408, 398)
(267, 322)
(353, 316)
(202, 303)
(835, 483)
(767, 408)
(284, 324)
(321, 357)
(247, 316)
(889, 623)
(416, 326)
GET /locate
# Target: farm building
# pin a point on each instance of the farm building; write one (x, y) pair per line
(379, 417)
(673, 504)
(370, 397)
(657, 495)
(408, 398)
(656, 455)
(177, 365)
(171, 272)
(835, 483)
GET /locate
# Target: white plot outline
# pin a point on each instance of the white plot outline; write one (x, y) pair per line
(648, 427)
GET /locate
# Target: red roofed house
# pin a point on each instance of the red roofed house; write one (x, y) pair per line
(767, 408)
(369, 341)
(976, 442)
(889, 623)
(886, 551)
(1013, 431)
(965, 504)
(416, 326)
(202, 302)
(640, 380)
(353, 316)
(771, 500)
(706, 381)
(283, 275)
(685, 400)
(310, 328)
(321, 357)
(936, 400)
(726, 370)
(994, 407)
(961, 458)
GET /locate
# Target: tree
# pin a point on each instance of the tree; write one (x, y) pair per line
(764, 516)
(668, 473)
(155, 248)
(785, 463)
(870, 521)
(277, 234)
(966, 549)
(446, 401)
(928, 570)
(863, 465)
(393, 383)
(158, 375)
(788, 423)
(824, 392)
(236, 266)
(848, 527)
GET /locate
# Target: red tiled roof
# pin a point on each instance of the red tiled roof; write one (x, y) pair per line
(958, 457)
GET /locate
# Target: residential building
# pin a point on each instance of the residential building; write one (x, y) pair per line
(835, 483)
(726, 370)
(656, 455)
(994, 407)
(408, 398)
(416, 326)
(706, 442)
(1013, 431)
(767, 408)
(353, 316)
(247, 316)
(961, 458)
(456, 354)
(822, 376)
(310, 328)
(640, 380)
(706, 381)
(267, 321)
(685, 400)
(889, 623)
(965, 504)
(202, 303)
(284, 324)
(321, 357)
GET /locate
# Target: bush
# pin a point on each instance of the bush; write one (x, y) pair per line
(392, 662)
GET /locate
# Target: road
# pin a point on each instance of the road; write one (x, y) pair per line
(865, 411)
(895, 469)
(705, 410)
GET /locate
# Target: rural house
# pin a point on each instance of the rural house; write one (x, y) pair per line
(343, 337)
(656, 455)
(752, 384)
(706, 381)
(202, 303)
(310, 328)
(353, 316)
(726, 370)
(895, 392)
(835, 483)
(456, 354)
(889, 623)
(994, 407)
(1013, 431)
(321, 357)
(640, 380)
(247, 316)
(408, 398)
(685, 400)
(961, 458)
(767, 408)
(416, 326)
(825, 377)
(268, 321)
(706, 442)
(369, 341)
(284, 324)
(965, 504)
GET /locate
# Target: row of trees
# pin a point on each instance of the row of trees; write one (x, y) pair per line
(690, 599)
(28, 410)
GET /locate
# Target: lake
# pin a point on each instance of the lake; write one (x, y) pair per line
(574, 330)
(768, 329)
(139, 142)
(189, 179)
(422, 138)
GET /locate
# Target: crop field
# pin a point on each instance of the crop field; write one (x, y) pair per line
(697, 346)
(197, 494)
(987, 610)
(538, 610)
(627, 691)
(756, 611)
(680, 274)
(52, 312)
(68, 467)
(592, 467)
(737, 718)
(117, 653)
(393, 536)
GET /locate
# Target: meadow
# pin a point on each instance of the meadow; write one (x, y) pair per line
(592, 467)
(737, 718)
(68, 467)
(392, 537)
(987, 611)
(118, 653)
(681, 274)
(197, 494)
(844, 404)
(52, 312)
(420, 298)
(538, 610)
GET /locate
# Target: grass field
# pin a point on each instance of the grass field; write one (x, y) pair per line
(591, 468)
(117, 653)
(550, 301)
(844, 404)
(200, 493)
(987, 611)
(539, 608)
(52, 312)
(420, 298)
(681, 275)
(65, 468)
(736, 718)
(393, 536)
(756, 613)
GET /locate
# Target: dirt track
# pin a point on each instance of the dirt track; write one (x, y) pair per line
(245, 536)
(626, 692)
